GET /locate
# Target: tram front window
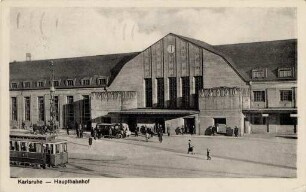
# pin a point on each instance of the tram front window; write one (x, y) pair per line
(23, 146)
(16, 146)
(65, 147)
(57, 148)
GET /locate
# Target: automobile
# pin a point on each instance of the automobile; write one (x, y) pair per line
(103, 130)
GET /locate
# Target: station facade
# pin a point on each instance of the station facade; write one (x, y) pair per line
(176, 82)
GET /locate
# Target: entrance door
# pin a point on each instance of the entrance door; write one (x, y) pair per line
(189, 124)
(221, 122)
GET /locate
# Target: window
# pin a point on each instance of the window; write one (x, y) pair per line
(102, 81)
(259, 96)
(258, 73)
(56, 106)
(85, 82)
(285, 119)
(14, 108)
(160, 92)
(55, 83)
(26, 84)
(286, 95)
(148, 89)
(198, 81)
(86, 109)
(23, 146)
(27, 108)
(70, 82)
(41, 109)
(14, 85)
(258, 119)
(70, 109)
(172, 92)
(57, 148)
(285, 72)
(40, 84)
(185, 92)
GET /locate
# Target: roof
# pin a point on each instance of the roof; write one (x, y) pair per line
(270, 55)
(67, 68)
(244, 57)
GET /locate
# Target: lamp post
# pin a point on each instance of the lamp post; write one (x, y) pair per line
(52, 107)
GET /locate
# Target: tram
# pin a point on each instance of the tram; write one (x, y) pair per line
(37, 150)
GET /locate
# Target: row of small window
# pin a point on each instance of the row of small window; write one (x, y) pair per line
(260, 96)
(284, 119)
(57, 83)
(34, 147)
(282, 73)
(41, 107)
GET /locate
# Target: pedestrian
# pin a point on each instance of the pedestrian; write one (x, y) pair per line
(168, 130)
(67, 129)
(147, 135)
(208, 154)
(160, 136)
(23, 125)
(89, 142)
(236, 131)
(95, 133)
(110, 132)
(182, 132)
(136, 131)
(80, 131)
(190, 147)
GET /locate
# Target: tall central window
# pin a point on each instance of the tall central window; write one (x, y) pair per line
(185, 92)
(14, 108)
(27, 108)
(86, 109)
(41, 109)
(198, 81)
(70, 109)
(172, 92)
(160, 92)
(148, 89)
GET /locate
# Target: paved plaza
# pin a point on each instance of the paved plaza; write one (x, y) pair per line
(248, 156)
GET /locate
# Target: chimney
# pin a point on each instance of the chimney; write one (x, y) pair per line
(28, 56)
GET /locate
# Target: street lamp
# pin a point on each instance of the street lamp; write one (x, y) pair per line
(52, 106)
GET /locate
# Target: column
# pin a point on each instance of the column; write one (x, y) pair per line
(62, 114)
(47, 101)
(20, 110)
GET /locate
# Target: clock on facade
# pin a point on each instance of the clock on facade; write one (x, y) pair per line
(171, 48)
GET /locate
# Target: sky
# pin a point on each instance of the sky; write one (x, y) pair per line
(49, 33)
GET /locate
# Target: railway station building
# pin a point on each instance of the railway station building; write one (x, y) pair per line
(177, 81)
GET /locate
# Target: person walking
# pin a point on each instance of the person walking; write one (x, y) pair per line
(67, 129)
(208, 154)
(89, 142)
(160, 136)
(110, 132)
(168, 130)
(236, 131)
(136, 131)
(190, 147)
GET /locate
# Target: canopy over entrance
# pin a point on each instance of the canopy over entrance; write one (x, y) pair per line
(155, 112)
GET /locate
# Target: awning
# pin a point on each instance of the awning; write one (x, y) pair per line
(271, 110)
(155, 112)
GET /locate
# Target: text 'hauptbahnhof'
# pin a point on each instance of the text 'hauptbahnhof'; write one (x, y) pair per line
(176, 82)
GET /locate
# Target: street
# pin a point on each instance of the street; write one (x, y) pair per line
(249, 156)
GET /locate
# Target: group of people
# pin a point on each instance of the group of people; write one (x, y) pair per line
(185, 130)
(215, 130)
(79, 129)
(190, 150)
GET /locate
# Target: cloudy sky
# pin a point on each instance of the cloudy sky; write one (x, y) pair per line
(70, 32)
